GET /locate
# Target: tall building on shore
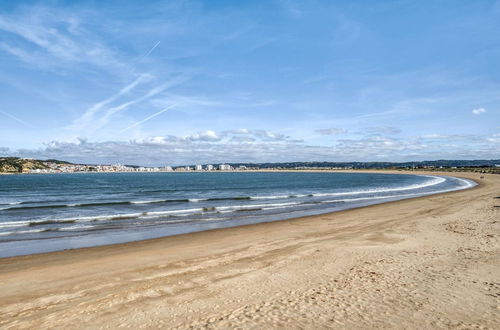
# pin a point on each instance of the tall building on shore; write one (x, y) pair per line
(198, 168)
(210, 167)
(224, 167)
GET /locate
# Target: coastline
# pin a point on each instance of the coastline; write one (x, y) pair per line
(42, 246)
(136, 283)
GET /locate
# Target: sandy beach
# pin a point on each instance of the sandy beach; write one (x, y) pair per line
(428, 262)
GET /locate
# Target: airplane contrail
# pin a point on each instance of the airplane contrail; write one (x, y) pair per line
(16, 119)
(88, 116)
(148, 118)
(151, 50)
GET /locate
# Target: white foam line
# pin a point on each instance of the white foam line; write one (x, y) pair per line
(174, 211)
(147, 202)
(469, 184)
(436, 180)
(211, 219)
(74, 228)
(21, 232)
(14, 224)
(104, 217)
(252, 206)
(94, 218)
(271, 197)
(195, 200)
(273, 208)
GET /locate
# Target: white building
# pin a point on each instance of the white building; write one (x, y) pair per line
(198, 168)
(224, 167)
(210, 167)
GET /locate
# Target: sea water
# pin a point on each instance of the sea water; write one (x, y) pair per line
(50, 212)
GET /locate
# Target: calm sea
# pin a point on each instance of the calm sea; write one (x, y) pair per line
(41, 213)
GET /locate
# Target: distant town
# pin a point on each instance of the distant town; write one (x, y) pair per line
(34, 166)
(16, 165)
(74, 168)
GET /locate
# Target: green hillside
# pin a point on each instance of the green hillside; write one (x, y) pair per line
(19, 165)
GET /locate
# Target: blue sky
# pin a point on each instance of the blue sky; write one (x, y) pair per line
(174, 82)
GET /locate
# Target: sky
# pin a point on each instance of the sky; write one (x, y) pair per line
(187, 82)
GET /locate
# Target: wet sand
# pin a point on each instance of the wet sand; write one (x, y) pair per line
(428, 262)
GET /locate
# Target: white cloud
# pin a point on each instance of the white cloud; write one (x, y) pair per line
(478, 111)
(5, 151)
(207, 136)
(270, 136)
(495, 138)
(388, 130)
(433, 136)
(239, 139)
(264, 146)
(241, 131)
(331, 131)
(230, 137)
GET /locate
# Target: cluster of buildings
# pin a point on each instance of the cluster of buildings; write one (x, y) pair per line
(75, 168)
(206, 168)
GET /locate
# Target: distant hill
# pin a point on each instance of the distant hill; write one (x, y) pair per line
(20, 165)
(374, 165)
(446, 164)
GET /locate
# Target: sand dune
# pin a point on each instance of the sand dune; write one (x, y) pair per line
(430, 262)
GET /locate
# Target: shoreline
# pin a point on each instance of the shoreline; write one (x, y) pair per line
(296, 218)
(271, 170)
(177, 280)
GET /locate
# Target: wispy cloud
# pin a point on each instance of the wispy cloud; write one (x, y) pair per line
(18, 52)
(478, 111)
(47, 37)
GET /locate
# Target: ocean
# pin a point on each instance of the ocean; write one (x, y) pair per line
(51, 212)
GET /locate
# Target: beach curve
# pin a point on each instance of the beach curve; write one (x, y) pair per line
(386, 265)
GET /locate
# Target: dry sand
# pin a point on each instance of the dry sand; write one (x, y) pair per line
(430, 262)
